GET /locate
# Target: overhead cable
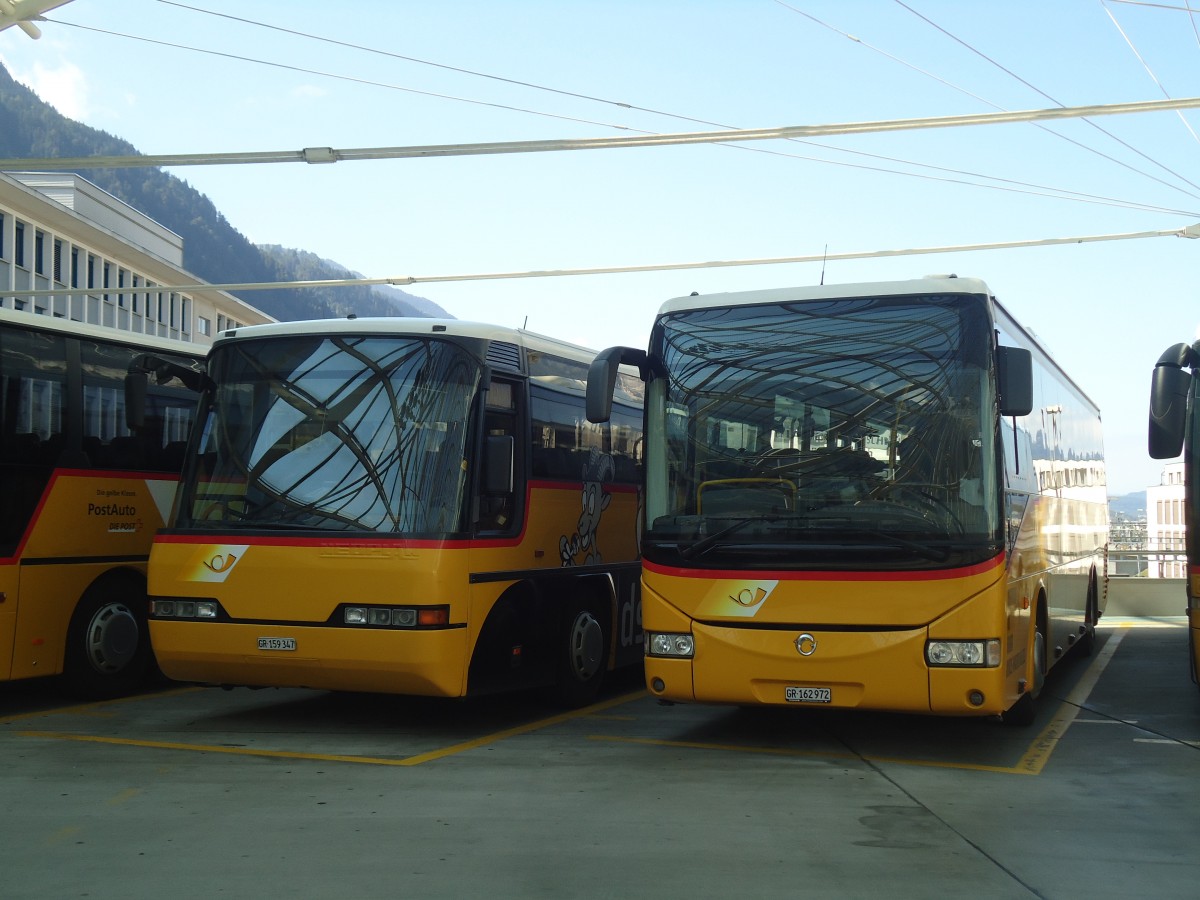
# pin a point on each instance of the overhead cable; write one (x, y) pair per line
(1000, 184)
(1042, 93)
(1189, 231)
(330, 155)
(1146, 66)
(982, 100)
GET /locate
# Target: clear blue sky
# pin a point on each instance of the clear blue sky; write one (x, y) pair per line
(1105, 310)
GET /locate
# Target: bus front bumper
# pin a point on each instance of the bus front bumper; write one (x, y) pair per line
(427, 662)
(878, 670)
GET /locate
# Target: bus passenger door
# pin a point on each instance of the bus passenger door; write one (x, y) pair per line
(501, 483)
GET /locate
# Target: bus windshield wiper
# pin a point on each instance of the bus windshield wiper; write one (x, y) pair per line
(707, 542)
(937, 554)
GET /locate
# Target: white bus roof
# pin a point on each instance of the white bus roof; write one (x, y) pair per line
(100, 333)
(948, 284)
(412, 326)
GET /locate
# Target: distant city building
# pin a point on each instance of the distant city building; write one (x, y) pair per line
(1165, 524)
(104, 261)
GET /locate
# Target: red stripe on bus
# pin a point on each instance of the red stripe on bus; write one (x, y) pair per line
(821, 575)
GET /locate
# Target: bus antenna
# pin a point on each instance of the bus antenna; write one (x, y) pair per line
(824, 257)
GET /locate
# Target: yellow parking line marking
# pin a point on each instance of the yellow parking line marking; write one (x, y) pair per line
(417, 760)
(210, 748)
(96, 708)
(1039, 751)
(525, 729)
(127, 794)
(1031, 763)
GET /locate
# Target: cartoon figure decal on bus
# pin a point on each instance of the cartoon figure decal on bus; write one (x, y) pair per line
(597, 470)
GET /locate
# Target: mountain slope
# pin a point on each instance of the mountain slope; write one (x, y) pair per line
(212, 248)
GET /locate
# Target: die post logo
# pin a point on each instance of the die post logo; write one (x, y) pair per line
(214, 562)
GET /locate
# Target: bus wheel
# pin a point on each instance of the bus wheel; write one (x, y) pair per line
(1086, 645)
(108, 642)
(583, 656)
(1021, 714)
(1023, 711)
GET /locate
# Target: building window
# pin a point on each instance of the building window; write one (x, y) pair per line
(1, 235)
(19, 244)
(39, 241)
(74, 267)
(58, 261)
(204, 326)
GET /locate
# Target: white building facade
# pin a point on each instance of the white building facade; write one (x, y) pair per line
(1165, 517)
(102, 262)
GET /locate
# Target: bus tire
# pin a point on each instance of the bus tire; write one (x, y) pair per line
(107, 652)
(582, 653)
(1021, 714)
(1086, 645)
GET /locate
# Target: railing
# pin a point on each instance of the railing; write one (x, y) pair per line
(1146, 564)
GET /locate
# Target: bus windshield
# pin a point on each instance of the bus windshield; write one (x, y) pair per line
(346, 433)
(824, 434)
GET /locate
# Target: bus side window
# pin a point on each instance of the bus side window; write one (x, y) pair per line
(503, 462)
(32, 423)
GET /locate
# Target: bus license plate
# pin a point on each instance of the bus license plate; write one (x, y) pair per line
(807, 695)
(280, 644)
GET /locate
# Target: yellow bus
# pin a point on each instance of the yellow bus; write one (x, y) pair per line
(409, 506)
(81, 495)
(1175, 429)
(875, 496)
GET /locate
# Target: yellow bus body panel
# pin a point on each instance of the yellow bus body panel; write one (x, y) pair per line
(339, 659)
(10, 584)
(747, 631)
(86, 524)
(294, 585)
(293, 590)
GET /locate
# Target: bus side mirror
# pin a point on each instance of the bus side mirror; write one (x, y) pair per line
(498, 465)
(135, 399)
(1014, 375)
(1168, 411)
(602, 379)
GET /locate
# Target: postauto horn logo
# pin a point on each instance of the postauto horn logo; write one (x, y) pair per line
(214, 562)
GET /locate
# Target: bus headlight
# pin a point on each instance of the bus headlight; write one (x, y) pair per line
(392, 616)
(184, 608)
(667, 644)
(980, 654)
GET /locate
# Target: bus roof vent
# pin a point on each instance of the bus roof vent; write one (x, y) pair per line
(503, 353)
